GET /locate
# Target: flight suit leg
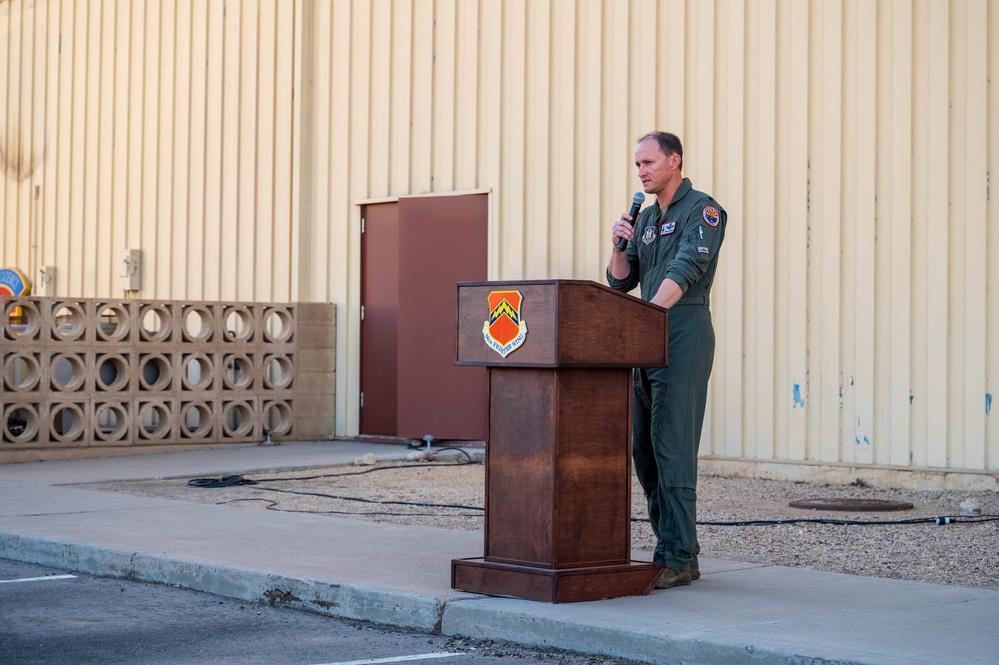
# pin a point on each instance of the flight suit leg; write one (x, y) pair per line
(646, 467)
(667, 417)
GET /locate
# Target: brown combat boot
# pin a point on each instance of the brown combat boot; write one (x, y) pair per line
(671, 578)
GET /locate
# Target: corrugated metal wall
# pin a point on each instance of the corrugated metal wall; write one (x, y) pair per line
(160, 126)
(851, 142)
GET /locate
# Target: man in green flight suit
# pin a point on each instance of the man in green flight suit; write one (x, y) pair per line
(672, 252)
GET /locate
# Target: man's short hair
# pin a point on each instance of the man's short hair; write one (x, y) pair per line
(668, 143)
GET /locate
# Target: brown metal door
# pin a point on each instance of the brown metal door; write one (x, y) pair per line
(442, 240)
(380, 308)
(412, 254)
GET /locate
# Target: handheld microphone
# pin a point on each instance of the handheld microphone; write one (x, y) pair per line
(636, 203)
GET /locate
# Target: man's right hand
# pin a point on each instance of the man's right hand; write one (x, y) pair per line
(618, 264)
(623, 228)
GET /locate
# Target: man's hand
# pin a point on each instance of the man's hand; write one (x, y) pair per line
(623, 228)
(618, 264)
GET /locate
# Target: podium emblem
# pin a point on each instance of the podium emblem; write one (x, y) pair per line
(505, 330)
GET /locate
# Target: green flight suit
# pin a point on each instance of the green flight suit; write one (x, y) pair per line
(668, 404)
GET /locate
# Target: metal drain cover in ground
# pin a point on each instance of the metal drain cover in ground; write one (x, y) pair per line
(859, 505)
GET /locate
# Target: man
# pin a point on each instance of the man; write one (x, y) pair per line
(672, 252)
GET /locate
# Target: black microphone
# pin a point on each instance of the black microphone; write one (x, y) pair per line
(636, 203)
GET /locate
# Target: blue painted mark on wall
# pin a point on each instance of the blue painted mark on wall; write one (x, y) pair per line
(988, 403)
(911, 397)
(798, 401)
(866, 441)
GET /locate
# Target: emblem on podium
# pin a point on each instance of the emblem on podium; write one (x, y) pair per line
(505, 330)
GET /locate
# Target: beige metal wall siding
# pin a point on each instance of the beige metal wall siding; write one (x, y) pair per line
(165, 127)
(851, 143)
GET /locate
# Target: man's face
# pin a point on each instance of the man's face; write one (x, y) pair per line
(655, 169)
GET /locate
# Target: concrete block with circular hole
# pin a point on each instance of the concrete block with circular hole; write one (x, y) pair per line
(85, 376)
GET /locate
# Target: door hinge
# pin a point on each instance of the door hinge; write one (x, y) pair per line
(362, 226)
(362, 312)
(362, 400)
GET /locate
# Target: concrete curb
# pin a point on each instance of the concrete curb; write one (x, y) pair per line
(478, 621)
(255, 586)
(471, 617)
(486, 621)
(478, 617)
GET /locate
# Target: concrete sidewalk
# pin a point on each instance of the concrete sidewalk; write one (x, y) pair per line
(400, 575)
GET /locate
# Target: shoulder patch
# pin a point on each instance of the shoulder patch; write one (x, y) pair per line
(711, 216)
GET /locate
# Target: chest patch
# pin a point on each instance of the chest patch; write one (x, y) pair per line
(649, 235)
(667, 228)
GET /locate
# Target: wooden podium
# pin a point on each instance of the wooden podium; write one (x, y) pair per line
(558, 453)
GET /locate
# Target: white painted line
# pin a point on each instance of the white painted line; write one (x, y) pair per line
(40, 579)
(398, 659)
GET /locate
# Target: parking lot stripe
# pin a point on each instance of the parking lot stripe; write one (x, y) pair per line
(39, 579)
(398, 659)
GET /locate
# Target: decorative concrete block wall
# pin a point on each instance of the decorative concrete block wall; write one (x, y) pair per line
(94, 373)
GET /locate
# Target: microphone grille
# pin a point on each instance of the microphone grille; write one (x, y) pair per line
(638, 198)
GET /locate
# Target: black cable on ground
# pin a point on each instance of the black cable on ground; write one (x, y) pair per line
(273, 505)
(939, 520)
(235, 480)
(229, 481)
(460, 450)
(379, 468)
(375, 501)
(224, 481)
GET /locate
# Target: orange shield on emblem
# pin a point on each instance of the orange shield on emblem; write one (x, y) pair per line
(505, 330)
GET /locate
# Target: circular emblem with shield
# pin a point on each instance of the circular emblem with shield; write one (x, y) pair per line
(505, 330)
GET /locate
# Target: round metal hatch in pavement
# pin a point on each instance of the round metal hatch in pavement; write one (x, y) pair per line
(856, 505)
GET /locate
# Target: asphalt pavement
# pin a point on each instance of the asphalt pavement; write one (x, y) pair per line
(400, 575)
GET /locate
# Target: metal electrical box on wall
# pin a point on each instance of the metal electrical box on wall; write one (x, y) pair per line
(46, 282)
(131, 269)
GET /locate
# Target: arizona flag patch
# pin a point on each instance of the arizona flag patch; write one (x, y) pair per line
(711, 216)
(505, 330)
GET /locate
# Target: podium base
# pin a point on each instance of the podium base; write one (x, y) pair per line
(554, 585)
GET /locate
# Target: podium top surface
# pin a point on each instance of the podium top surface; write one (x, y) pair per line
(557, 323)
